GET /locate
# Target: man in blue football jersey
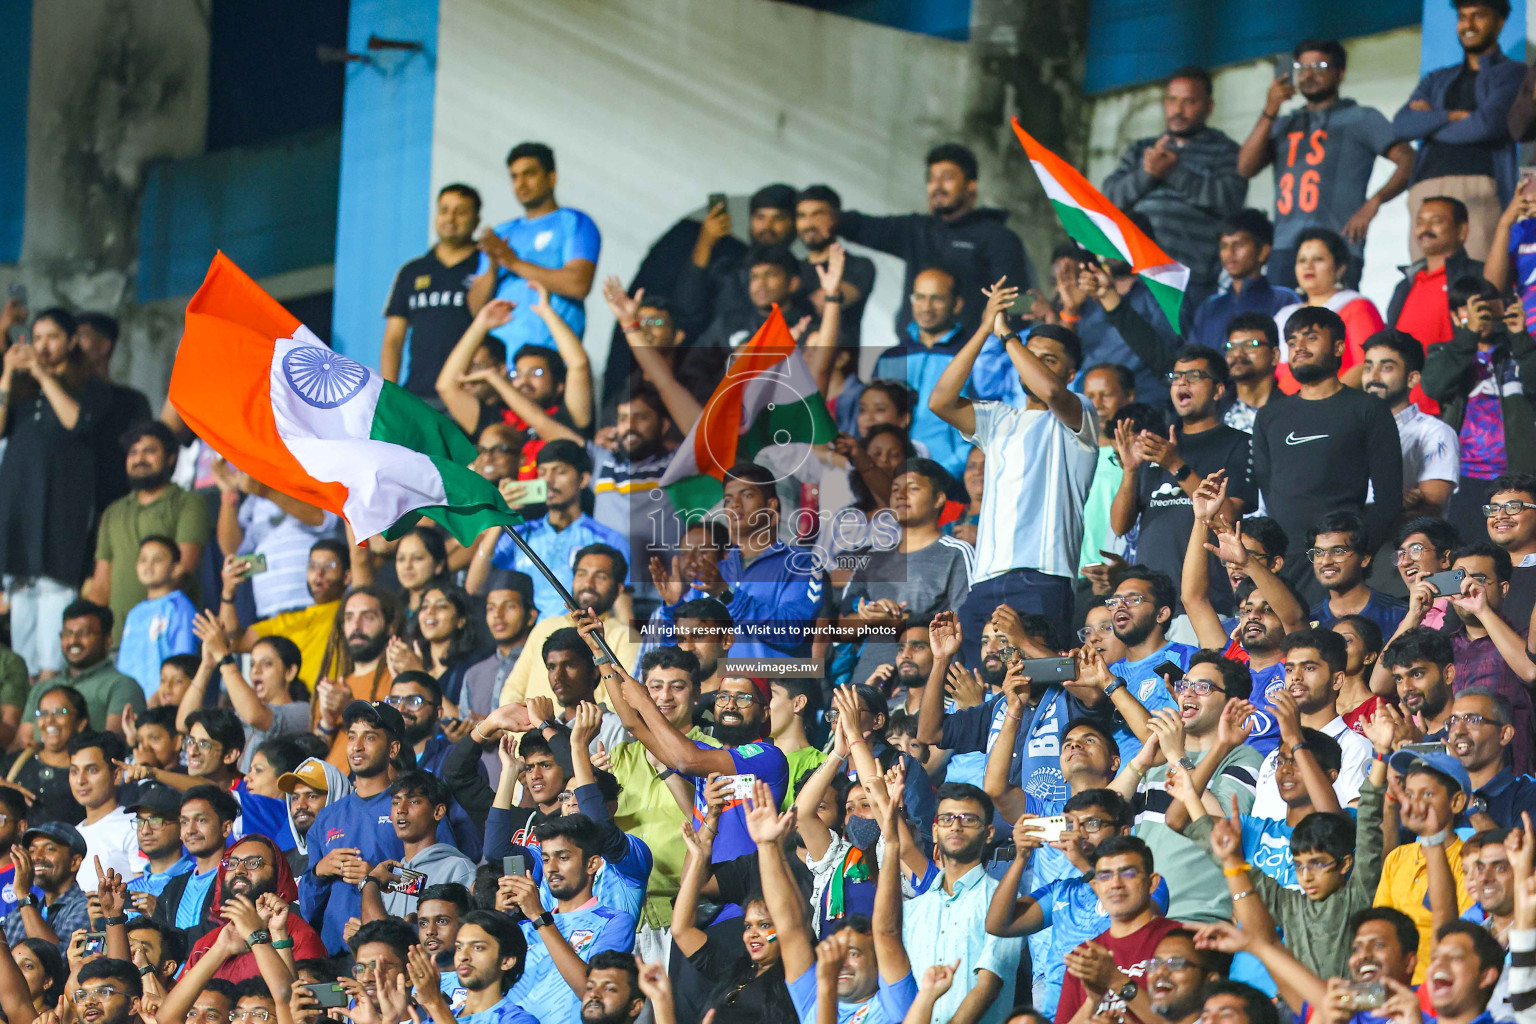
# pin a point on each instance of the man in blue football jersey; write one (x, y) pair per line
(551, 245)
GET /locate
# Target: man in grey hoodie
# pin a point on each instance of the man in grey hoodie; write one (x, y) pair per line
(417, 802)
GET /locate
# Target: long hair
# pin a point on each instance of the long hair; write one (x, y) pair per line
(463, 641)
(336, 663)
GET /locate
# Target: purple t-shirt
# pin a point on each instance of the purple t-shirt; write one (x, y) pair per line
(1482, 431)
(1522, 254)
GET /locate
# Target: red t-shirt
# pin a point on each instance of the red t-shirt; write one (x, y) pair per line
(1131, 953)
(1357, 718)
(1426, 315)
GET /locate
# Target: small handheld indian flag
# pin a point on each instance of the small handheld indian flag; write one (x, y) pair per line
(1097, 225)
(266, 394)
(767, 398)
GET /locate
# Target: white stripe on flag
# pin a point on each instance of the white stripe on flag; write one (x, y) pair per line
(1056, 193)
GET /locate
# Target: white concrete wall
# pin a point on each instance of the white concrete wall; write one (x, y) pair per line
(651, 105)
(1383, 69)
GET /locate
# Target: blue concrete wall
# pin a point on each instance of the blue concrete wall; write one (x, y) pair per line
(1211, 33)
(271, 208)
(384, 211)
(15, 70)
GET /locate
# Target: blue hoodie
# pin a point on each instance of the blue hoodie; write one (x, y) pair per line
(774, 601)
(353, 822)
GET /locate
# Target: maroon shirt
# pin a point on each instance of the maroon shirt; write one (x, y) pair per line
(1131, 953)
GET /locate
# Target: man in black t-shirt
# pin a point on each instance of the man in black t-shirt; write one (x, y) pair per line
(1322, 448)
(430, 296)
(1162, 473)
(817, 210)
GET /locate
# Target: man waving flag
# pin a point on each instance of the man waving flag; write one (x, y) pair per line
(266, 394)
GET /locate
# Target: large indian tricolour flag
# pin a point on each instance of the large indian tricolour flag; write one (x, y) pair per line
(767, 398)
(265, 393)
(1097, 225)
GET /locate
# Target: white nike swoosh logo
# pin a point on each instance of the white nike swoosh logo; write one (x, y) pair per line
(1291, 438)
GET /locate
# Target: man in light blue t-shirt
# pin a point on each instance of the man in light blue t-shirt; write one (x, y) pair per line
(1140, 610)
(550, 245)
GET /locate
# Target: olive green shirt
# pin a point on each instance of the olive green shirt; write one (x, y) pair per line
(14, 681)
(105, 689)
(178, 514)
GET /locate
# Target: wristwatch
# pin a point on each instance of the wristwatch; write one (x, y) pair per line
(229, 659)
(1117, 684)
(258, 937)
(26, 901)
(1184, 471)
(1187, 763)
(1127, 992)
(544, 920)
(1477, 805)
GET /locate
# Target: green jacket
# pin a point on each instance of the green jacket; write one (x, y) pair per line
(1449, 373)
(1316, 931)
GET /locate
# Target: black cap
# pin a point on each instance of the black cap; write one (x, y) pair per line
(59, 832)
(158, 798)
(777, 197)
(381, 715)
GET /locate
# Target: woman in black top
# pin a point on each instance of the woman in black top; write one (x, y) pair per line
(749, 982)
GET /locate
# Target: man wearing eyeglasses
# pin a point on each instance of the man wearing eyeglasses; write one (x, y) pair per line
(1252, 347)
(1324, 153)
(1140, 609)
(1162, 474)
(1341, 555)
(1490, 650)
(1510, 513)
(1108, 974)
(1479, 733)
(157, 824)
(107, 992)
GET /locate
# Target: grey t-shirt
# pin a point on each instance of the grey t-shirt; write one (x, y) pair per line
(930, 580)
(286, 719)
(1322, 164)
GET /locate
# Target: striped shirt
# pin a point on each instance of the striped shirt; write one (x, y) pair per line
(1038, 472)
(628, 499)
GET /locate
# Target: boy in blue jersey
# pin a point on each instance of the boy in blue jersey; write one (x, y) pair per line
(489, 956)
(550, 245)
(1141, 609)
(560, 942)
(862, 967)
(160, 625)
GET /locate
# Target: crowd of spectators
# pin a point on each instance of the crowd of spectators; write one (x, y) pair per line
(1102, 667)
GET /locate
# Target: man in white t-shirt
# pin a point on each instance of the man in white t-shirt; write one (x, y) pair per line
(1431, 453)
(1040, 463)
(108, 828)
(1314, 672)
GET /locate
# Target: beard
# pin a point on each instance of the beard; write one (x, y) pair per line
(1314, 373)
(644, 449)
(366, 648)
(415, 732)
(150, 481)
(911, 680)
(598, 1015)
(736, 735)
(1182, 1006)
(993, 677)
(970, 852)
(256, 889)
(1390, 397)
(1136, 632)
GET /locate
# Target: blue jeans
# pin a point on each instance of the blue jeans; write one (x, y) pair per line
(1026, 591)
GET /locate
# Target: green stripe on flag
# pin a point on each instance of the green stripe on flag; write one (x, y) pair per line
(1170, 299)
(693, 496)
(474, 505)
(803, 421)
(1088, 234)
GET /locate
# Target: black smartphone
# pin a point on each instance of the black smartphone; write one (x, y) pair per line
(1447, 582)
(1050, 670)
(717, 199)
(328, 994)
(1284, 64)
(514, 864)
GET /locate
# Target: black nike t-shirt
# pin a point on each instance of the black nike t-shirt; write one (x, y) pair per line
(1166, 513)
(434, 298)
(1317, 456)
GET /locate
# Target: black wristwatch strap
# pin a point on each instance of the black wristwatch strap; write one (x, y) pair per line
(229, 659)
(544, 920)
(110, 921)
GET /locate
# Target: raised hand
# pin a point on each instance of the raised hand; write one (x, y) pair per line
(964, 685)
(937, 979)
(944, 635)
(625, 310)
(1235, 724)
(111, 890)
(401, 657)
(830, 273)
(765, 824)
(207, 628)
(495, 313)
(541, 711)
(666, 579)
(999, 298)
(1227, 836)
(1168, 727)
(654, 981)
(1125, 446)
(584, 728)
(1210, 496)
(1223, 937)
